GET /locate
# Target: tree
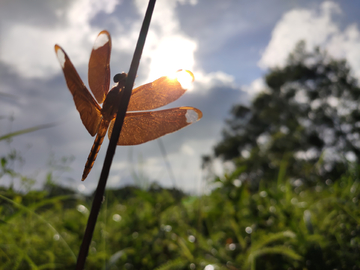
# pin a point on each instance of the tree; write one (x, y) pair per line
(307, 117)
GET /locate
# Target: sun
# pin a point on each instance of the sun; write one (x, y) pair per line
(172, 54)
(184, 77)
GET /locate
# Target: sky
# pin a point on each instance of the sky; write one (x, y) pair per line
(229, 45)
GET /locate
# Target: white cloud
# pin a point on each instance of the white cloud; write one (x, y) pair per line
(29, 49)
(187, 150)
(205, 81)
(167, 47)
(255, 87)
(83, 10)
(346, 45)
(316, 27)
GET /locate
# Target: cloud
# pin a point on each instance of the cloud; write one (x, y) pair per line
(255, 87)
(24, 44)
(167, 48)
(346, 45)
(316, 27)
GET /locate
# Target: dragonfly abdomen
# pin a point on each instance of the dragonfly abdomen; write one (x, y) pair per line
(95, 148)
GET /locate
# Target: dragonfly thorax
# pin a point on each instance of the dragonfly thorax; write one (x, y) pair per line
(111, 103)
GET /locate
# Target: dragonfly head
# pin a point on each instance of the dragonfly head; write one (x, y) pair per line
(120, 78)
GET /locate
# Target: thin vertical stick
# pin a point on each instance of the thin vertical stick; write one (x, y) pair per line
(84, 249)
(167, 163)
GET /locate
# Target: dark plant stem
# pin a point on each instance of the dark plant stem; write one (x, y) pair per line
(99, 193)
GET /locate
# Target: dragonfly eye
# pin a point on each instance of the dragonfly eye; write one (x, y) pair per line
(120, 77)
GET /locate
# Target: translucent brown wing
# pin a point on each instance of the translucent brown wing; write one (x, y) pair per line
(90, 111)
(141, 127)
(157, 94)
(99, 66)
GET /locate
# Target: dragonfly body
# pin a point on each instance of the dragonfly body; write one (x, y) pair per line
(110, 106)
(140, 125)
(108, 111)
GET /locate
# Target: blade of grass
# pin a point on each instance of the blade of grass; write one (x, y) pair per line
(26, 130)
(282, 250)
(185, 250)
(282, 173)
(236, 230)
(272, 238)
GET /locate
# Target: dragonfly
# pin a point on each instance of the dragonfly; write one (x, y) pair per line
(141, 123)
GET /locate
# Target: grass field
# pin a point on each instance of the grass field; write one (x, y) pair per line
(279, 226)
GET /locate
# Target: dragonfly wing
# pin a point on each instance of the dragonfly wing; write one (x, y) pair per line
(90, 111)
(99, 66)
(158, 93)
(141, 127)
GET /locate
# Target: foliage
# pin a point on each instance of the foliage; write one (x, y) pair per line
(308, 114)
(278, 227)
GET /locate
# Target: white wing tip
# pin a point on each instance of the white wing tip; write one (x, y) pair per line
(101, 40)
(60, 55)
(192, 115)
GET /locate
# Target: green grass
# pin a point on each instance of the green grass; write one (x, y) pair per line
(277, 227)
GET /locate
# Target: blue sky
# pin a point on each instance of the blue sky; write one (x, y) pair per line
(229, 45)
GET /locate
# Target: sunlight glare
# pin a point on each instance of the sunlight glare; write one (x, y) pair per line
(171, 54)
(184, 77)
